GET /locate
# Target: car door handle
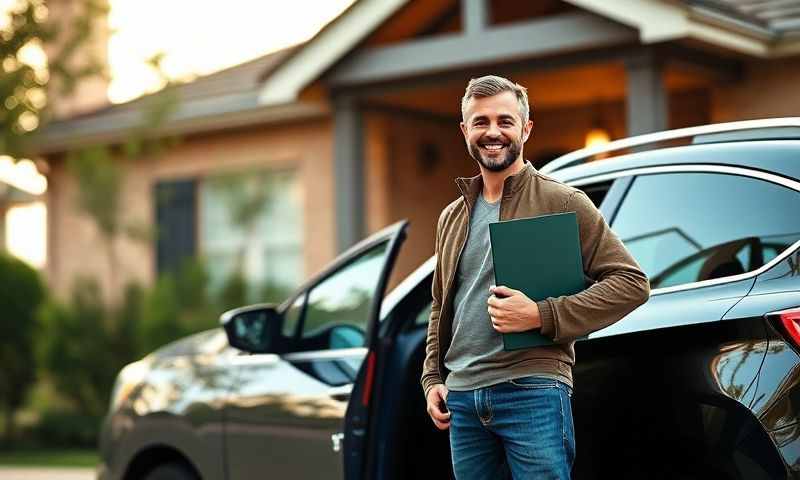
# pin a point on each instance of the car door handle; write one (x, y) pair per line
(341, 393)
(337, 438)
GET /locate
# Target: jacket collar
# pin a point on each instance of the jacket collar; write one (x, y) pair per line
(471, 187)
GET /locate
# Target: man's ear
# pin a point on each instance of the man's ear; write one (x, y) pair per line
(526, 130)
(463, 130)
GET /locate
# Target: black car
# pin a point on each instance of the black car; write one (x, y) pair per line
(699, 382)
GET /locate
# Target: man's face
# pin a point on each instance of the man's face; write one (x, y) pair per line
(494, 131)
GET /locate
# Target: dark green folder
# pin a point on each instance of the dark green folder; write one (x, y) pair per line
(540, 256)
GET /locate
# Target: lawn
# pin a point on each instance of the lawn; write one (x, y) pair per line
(49, 458)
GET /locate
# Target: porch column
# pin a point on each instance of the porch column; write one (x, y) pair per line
(348, 171)
(474, 16)
(646, 102)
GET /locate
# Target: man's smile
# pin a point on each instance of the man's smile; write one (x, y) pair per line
(493, 146)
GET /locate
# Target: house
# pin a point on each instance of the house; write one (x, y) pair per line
(358, 127)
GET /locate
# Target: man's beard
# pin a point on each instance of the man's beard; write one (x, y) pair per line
(496, 165)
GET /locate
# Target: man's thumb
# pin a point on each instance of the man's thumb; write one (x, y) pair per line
(502, 291)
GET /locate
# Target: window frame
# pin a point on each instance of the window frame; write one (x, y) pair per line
(632, 173)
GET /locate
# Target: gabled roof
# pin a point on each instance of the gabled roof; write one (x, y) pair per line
(737, 25)
(335, 40)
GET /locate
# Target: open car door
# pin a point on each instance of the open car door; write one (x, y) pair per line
(286, 415)
(354, 440)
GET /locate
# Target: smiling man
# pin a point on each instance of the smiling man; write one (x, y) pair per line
(509, 412)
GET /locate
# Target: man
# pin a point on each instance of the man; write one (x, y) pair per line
(510, 411)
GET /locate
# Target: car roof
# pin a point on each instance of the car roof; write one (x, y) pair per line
(781, 157)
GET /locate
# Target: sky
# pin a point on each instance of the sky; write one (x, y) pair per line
(203, 36)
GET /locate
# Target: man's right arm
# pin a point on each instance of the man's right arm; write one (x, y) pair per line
(430, 371)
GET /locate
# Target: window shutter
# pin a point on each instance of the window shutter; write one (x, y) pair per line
(176, 218)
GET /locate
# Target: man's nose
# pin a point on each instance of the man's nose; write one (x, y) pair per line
(493, 131)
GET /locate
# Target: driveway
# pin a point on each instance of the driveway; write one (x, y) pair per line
(41, 473)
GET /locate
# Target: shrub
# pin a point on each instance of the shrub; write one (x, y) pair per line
(75, 348)
(21, 293)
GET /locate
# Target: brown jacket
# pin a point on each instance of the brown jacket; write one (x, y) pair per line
(617, 283)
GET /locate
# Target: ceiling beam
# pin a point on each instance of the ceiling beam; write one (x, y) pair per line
(553, 35)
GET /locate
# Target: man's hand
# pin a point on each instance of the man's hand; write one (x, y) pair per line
(512, 311)
(436, 408)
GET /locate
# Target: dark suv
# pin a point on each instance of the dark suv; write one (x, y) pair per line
(699, 382)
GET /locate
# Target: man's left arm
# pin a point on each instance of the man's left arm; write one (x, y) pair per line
(621, 285)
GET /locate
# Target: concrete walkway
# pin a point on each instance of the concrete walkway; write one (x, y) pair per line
(41, 473)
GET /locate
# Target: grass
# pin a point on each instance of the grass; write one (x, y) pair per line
(49, 458)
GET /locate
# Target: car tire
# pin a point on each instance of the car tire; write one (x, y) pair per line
(171, 471)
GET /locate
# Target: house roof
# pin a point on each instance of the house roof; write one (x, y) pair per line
(224, 99)
(268, 88)
(780, 18)
(764, 29)
(740, 26)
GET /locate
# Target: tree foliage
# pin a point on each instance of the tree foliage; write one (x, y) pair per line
(25, 33)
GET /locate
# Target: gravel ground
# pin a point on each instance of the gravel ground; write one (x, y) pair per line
(41, 473)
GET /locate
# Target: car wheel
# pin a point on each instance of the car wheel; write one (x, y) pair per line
(171, 471)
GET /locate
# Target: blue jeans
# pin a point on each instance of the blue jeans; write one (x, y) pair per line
(521, 428)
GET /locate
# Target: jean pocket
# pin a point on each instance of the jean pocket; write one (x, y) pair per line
(533, 382)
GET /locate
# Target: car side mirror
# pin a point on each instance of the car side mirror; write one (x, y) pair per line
(254, 328)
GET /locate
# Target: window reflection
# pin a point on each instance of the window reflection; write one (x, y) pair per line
(346, 296)
(689, 227)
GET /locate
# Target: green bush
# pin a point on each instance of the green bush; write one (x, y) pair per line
(176, 306)
(76, 348)
(62, 428)
(21, 293)
(84, 342)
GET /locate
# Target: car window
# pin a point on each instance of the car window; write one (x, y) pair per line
(596, 191)
(345, 297)
(423, 315)
(689, 227)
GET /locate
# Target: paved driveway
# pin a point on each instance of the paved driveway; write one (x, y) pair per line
(39, 473)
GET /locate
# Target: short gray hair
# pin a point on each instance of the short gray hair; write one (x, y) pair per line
(491, 85)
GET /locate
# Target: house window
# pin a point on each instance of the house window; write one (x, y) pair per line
(252, 223)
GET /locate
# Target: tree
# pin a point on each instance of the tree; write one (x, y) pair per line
(25, 33)
(100, 175)
(21, 293)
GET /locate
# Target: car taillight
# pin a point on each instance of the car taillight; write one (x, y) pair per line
(790, 319)
(368, 381)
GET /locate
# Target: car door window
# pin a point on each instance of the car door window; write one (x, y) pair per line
(343, 300)
(291, 317)
(596, 191)
(687, 227)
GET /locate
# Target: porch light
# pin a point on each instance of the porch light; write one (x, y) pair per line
(597, 136)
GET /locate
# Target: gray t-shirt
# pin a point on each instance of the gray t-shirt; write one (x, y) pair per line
(476, 358)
